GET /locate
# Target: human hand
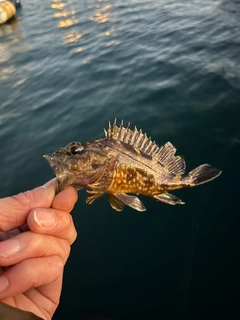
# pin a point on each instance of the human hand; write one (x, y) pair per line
(36, 231)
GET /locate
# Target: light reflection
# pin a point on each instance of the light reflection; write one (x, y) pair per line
(6, 73)
(58, 6)
(8, 49)
(69, 14)
(60, 14)
(106, 7)
(71, 37)
(67, 18)
(102, 15)
(5, 54)
(113, 42)
(9, 27)
(80, 49)
(67, 23)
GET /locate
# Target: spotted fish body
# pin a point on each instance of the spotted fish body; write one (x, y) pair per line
(126, 162)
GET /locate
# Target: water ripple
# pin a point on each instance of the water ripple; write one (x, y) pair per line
(170, 67)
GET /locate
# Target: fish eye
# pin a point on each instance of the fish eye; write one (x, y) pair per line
(74, 150)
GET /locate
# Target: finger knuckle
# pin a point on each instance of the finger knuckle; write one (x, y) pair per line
(66, 249)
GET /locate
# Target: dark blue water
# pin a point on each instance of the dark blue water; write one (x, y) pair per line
(171, 68)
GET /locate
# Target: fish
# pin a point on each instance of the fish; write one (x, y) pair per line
(125, 164)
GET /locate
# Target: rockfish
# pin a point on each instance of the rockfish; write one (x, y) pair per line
(126, 161)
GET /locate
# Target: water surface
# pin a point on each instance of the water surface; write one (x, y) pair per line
(172, 69)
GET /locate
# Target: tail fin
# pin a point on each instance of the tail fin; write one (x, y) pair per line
(201, 174)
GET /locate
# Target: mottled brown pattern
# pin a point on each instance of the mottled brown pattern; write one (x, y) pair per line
(126, 162)
(128, 179)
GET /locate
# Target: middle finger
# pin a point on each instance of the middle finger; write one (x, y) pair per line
(30, 245)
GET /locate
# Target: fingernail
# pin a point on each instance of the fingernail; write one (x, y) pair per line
(3, 283)
(45, 219)
(50, 183)
(9, 247)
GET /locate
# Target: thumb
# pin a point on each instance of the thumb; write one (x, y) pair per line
(14, 210)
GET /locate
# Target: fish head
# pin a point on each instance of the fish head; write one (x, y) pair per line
(69, 162)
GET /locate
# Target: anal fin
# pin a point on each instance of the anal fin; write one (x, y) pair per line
(115, 203)
(168, 198)
(119, 200)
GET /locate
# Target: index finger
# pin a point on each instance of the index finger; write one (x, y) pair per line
(15, 209)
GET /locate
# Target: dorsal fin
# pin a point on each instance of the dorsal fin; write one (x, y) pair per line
(133, 137)
(165, 155)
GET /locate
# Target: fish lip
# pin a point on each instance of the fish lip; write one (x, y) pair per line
(54, 163)
(59, 170)
(51, 159)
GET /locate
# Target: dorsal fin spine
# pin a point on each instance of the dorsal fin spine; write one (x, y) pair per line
(145, 142)
(126, 136)
(121, 131)
(128, 131)
(156, 152)
(133, 137)
(164, 155)
(130, 137)
(152, 148)
(138, 138)
(109, 129)
(148, 146)
(142, 142)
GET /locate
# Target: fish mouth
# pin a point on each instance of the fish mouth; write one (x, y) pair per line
(64, 176)
(49, 158)
(55, 163)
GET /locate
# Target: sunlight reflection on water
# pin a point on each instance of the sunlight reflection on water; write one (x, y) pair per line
(168, 67)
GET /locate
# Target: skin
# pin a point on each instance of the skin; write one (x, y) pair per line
(33, 251)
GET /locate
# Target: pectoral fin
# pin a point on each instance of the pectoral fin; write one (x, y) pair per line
(168, 198)
(93, 196)
(119, 200)
(89, 178)
(104, 179)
